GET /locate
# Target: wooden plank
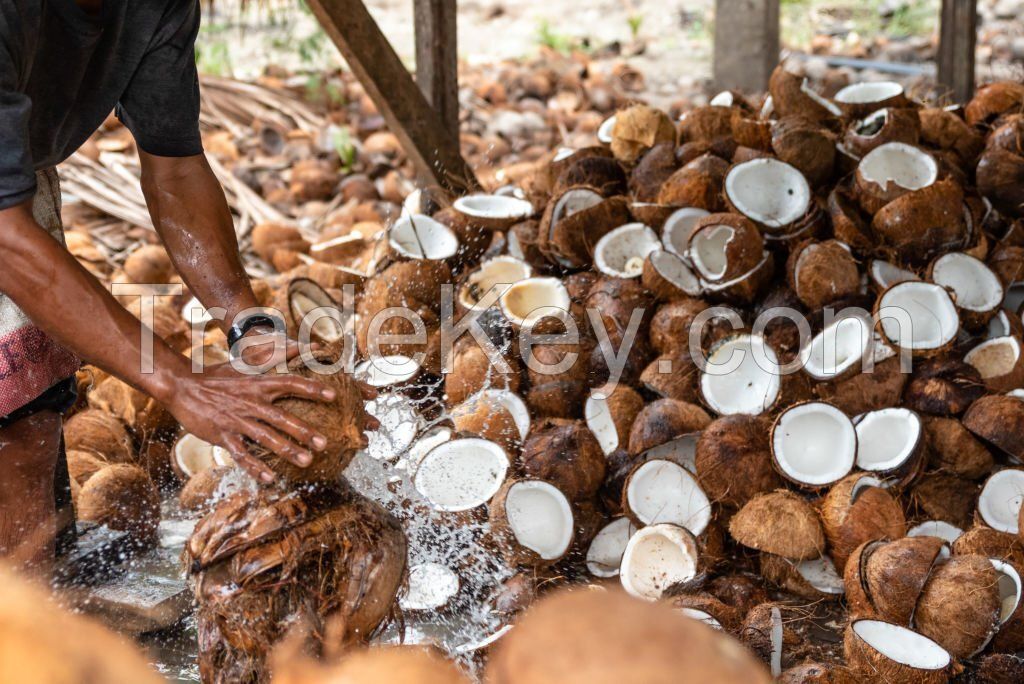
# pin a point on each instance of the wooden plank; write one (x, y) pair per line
(410, 117)
(437, 62)
(957, 37)
(746, 43)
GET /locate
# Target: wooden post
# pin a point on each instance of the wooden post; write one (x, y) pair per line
(957, 36)
(437, 62)
(746, 46)
(410, 117)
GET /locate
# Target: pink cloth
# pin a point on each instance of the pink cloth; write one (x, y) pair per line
(31, 362)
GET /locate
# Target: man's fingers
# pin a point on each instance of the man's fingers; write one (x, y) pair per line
(252, 465)
(372, 423)
(302, 388)
(276, 442)
(292, 426)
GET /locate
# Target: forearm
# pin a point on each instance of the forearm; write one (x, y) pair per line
(192, 217)
(63, 299)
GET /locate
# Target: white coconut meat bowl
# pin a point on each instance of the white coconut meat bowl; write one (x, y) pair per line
(461, 474)
(768, 191)
(193, 455)
(839, 349)
(658, 557)
(1010, 587)
(529, 300)
(898, 164)
(675, 232)
(385, 371)
(604, 556)
(540, 518)
(936, 528)
(494, 211)
(998, 358)
(665, 492)
(742, 375)
(621, 252)
(903, 646)
(814, 444)
(888, 439)
(497, 275)
(821, 574)
(869, 92)
(400, 423)
(978, 289)
(884, 274)
(918, 316)
(1000, 500)
(604, 131)
(417, 236)
(431, 586)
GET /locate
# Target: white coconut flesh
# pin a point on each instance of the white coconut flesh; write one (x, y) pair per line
(665, 492)
(1009, 583)
(768, 191)
(998, 326)
(703, 616)
(868, 92)
(821, 574)
(600, 422)
(1016, 394)
(722, 285)
(675, 233)
(806, 88)
(902, 645)
(885, 274)
(708, 251)
(511, 402)
(563, 153)
(540, 518)
(673, 269)
(194, 455)
(918, 316)
(424, 444)
(658, 557)
(621, 252)
(1000, 500)
(872, 124)
(887, 438)
(723, 99)
(498, 273)
(384, 371)
(501, 207)
(461, 474)
(605, 553)
(906, 166)
(814, 443)
(682, 451)
(742, 375)
(604, 131)
(400, 422)
(417, 236)
(314, 310)
(936, 528)
(864, 483)
(995, 358)
(430, 586)
(571, 202)
(532, 299)
(838, 348)
(977, 288)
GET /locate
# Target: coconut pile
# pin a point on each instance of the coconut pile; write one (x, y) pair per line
(838, 489)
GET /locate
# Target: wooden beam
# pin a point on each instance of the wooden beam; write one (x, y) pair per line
(957, 36)
(437, 62)
(410, 117)
(746, 45)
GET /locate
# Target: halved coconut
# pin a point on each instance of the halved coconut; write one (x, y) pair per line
(814, 444)
(822, 273)
(531, 300)
(461, 474)
(1000, 363)
(781, 523)
(424, 444)
(496, 415)
(917, 316)
(979, 292)
(769, 192)
(575, 221)
(999, 420)
(497, 273)
(386, 371)
(609, 413)
(723, 247)
(1000, 500)
(742, 375)
(604, 556)
(814, 579)
(400, 422)
(668, 276)
(536, 520)
(430, 587)
(681, 451)
(495, 212)
(886, 652)
(891, 170)
(1010, 636)
(884, 274)
(858, 509)
(621, 252)
(959, 604)
(660, 491)
(656, 558)
(675, 232)
(604, 131)
(839, 350)
(743, 289)
(192, 455)
(936, 528)
(416, 236)
(891, 442)
(882, 126)
(857, 99)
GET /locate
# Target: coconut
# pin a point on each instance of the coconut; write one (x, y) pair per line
(671, 323)
(706, 123)
(807, 146)
(312, 313)
(191, 455)
(884, 274)
(268, 238)
(999, 503)
(494, 274)
(999, 175)
(84, 464)
(532, 300)
(858, 99)
(400, 422)
(769, 192)
(556, 390)
(815, 579)
(944, 497)
(535, 521)
(892, 170)
(895, 573)
(149, 264)
(598, 170)
(880, 127)
(664, 420)
(998, 420)
(722, 247)
(380, 372)
(891, 442)
(917, 317)
(575, 221)
(849, 222)
(637, 129)
(658, 558)
(1010, 635)
(839, 350)
(400, 664)
(568, 456)
(98, 432)
(675, 232)
(604, 555)
(138, 411)
(622, 251)
(984, 541)
(668, 276)
(707, 609)
(660, 491)
(416, 236)
(922, 223)
(651, 172)
(939, 529)
(697, 184)
(742, 375)
(821, 273)
(866, 391)
(471, 371)
(813, 444)
(953, 449)
(780, 523)
(979, 293)
(766, 631)
(1000, 363)
(857, 510)
(959, 605)
(792, 95)
(122, 497)
(202, 489)
(943, 386)
(493, 212)
(548, 646)
(1007, 261)
(609, 413)
(891, 653)
(496, 415)
(672, 376)
(461, 474)
(733, 460)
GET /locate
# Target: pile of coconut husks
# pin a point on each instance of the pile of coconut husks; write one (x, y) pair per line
(775, 386)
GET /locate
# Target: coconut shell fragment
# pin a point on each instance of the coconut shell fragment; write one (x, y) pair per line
(781, 523)
(959, 605)
(857, 510)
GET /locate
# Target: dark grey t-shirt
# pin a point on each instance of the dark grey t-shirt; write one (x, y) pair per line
(62, 71)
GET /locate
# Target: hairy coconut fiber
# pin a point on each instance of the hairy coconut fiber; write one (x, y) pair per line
(781, 523)
(391, 664)
(959, 605)
(122, 497)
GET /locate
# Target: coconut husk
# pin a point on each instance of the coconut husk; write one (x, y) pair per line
(651, 172)
(854, 513)
(398, 664)
(198, 493)
(268, 238)
(999, 177)
(864, 391)
(783, 573)
(943, 386)
(759, 625)
(672, 376)
(805, 145)
(945, 130)
(567, 456)
(639, 128)
(1007, 261)
(698, 184)
(743, 290)
(992, 101)
(921, 223)
(750, 132)
(997, 668)
(623, 404)
(940, 496)
(663, 420)
(569, 241)
(671, 323)
(982, 540)
(122, 497)
(899, 125)
(821, 273)
(705, 124)
(84, 464)
(959, 605)
(149, 264)
(597, 171)
(615, 300)
(895, 573)
(667, 276)
(651, 214)
(953, 449)
(789, 98)
(998, 420)
(744, 251)
(514, 551)
(728, 617)
(99, 432)
(817, 673)
(733, 460)
(489, 419)
(867, 663)
(780, 523)
(472, 371)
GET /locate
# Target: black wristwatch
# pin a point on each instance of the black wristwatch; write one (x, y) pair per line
(260, 320)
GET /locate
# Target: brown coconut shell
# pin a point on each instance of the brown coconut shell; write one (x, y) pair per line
(664, 289)
(864, 391)
(728, 616)
(758, 627)
(999, 176)
(751, 133)
(746, 288)
(898, 125)
(789, 98)
(943, 386)
(268, 238)
(472, 371)
(698, 184)
(122, 497)
(138, 411)
(805, 145)
(651, 172)
(849, 223)
(515, 553)
(149, 264)
(959, 605)
(664, 420)
(985, 541)
(99, 432)
(745, 249)
(639, 128)
(198, 492)
(954, 449)
(488, 419)
(853, 517)
(895, 573)
(821, 273)
(1008, 263)
(569, 241)
(671, 323)
(733, 460)
(672, 376)
(705, 124)
(998, 420)
(600, 171)
(992, 101)
(946, 497)
(624, 404)
(868, 664)
(782, 573)
(780, 523)
(945, 130)
(84, 464)
(567, 456)
(922, 223)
